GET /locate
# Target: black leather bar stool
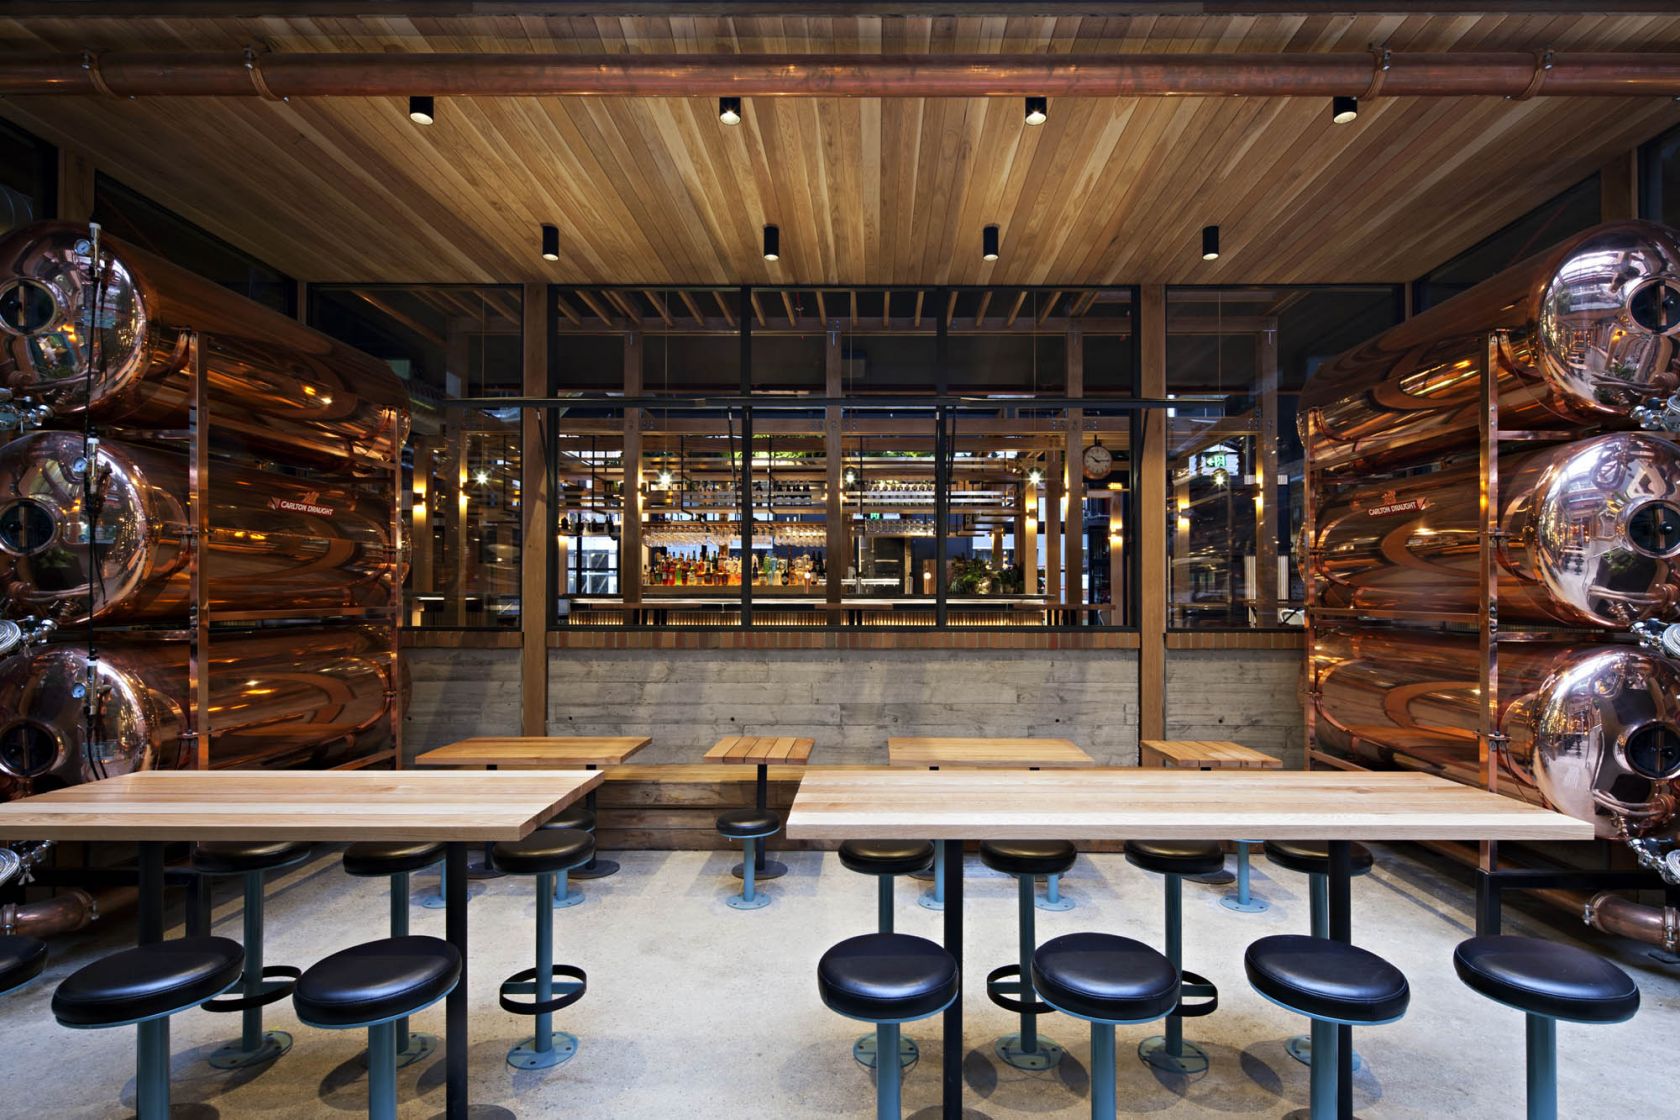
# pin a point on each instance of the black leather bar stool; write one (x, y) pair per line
(375, 986)
(142, 988)
(1025, 860)
(1333, 984)
(751, 827)
(396, 860)
(1547, 982)
(885, 859)
(888, 979)
(21, 960)
(547, 854)
(578, 818)
(1108, 981)
(1312, 859)
(1174, 859)
(262, 984)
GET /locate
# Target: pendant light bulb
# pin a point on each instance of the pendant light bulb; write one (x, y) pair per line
(550, 243)
(1038, 110)
(1344, 110)
(1210, 243)
(729, 110)
(989, 243)
(772, 243)
(421, 110)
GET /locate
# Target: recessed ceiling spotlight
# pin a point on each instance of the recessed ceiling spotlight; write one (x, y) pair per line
(772, 243)
(989, 243)
(550, 243)
(1344, 110)
(1038, 110)
(729, 110)
(421, 111)
(1210, 243)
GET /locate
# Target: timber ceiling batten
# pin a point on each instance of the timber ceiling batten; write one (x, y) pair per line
(656, 191)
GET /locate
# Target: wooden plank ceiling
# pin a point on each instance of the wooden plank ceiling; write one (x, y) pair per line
(657, 191)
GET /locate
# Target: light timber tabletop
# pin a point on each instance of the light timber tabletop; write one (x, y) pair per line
(545, 751)
(342, 805)
(1204, 754)
(1129, 803)
(902, 751)
(762, 749)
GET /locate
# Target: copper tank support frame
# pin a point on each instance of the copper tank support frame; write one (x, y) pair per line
(1513, 74)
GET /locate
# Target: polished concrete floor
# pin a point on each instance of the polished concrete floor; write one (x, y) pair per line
(699, 1012)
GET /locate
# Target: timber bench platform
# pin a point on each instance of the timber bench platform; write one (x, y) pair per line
(1204, 754)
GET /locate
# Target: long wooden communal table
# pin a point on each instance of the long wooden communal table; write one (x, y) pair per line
(1121, 804)
(154, 807)
(542, 752)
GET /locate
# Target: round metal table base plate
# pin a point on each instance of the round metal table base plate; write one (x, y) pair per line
(770, 870)
(1213, 878)
(1190, 1060)
(1046, 1056)
(756, 902)
(1062, 904)
(420, 1047)
(571, 898)
(864, 1051)
(927, 900)
(602, 868)
(1300, 1048)
(526, 1055)
(235, 1056)
(1252, 906)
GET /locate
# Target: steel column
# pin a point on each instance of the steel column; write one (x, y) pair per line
(151, 1070)
(382, 1072)
(1542, 1068)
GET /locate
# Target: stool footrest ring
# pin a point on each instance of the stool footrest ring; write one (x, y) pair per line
(284, 978)
(1193, 986)
(998, 992)
(524, 983)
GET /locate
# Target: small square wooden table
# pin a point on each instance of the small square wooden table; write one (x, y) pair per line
(1124, 803)
(762, 750)
(545, 752)
(1204, 754)
(154, 807)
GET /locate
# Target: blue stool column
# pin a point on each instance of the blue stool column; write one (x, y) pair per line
(1011, 986)
(750, 898)
(547, 1047)
(258, 987)
(1103, 1070)
(382, 1070)
(934, 897)
(1172, 860)
(151, 1070)
(408, 1048)
(885, 860)
(1053, 900)
(1169, 1051)
(552, 987)
(1542, 1068)
(1244, 902)
(888, 1077)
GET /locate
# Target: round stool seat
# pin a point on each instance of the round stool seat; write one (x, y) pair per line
(1028, 857)
(1176, 857)
(21, 960)
(236, 857)
(545, 850)
(748, 824)
(376, 981)
(886, 857)
(1104, 977)
(375, 858)
(887, 977)
(1546, 978)
(1312, 857)
(575, 816)
(146, 982)
(1324, 979)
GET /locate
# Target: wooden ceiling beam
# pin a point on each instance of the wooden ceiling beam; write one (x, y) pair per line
(985, 302)
(1049, 306)
(950, 310)
(916, 320)
(1015, 311)
(594, 305)
(723, 308)
(787, 306)
(567, 310)
(401, 318)
(758, 307)
(693, 307)
(658, 306)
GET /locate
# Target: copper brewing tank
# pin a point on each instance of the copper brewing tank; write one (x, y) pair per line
(275, 384)
(275, 543)
(283, 697)
(1592, 537)
(1593, 328)
(1592, 730)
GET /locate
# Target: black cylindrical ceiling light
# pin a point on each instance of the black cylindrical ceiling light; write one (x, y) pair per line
(729, 110)
(1210, 243)
(420, 110)
(989, 243)
(551, 243)
(1038, 110)
(772, 243)
(1343, 110)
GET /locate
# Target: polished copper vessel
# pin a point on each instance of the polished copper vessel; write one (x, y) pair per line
(276, 386)
(281, 697)
(1591, 537)
(1591, 730)
(1592, 326)
(275, 543)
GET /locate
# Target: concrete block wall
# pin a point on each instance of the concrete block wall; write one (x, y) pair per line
(1249, 696)
(457, 694)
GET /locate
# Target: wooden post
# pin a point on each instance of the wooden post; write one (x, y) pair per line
(1266, 503)
(1073, 525)
(75, 185)
(630, 533)
(1116, 558)
(535, 527)
(1027, 539)
(837, 547)
(1054, 491)
(1152, 521)
(457, 542)
(422, 571)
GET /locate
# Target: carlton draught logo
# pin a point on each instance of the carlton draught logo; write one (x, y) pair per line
(1391, 504)
(309, 503)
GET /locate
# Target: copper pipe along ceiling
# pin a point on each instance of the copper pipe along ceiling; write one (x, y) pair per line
(1515, 74)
